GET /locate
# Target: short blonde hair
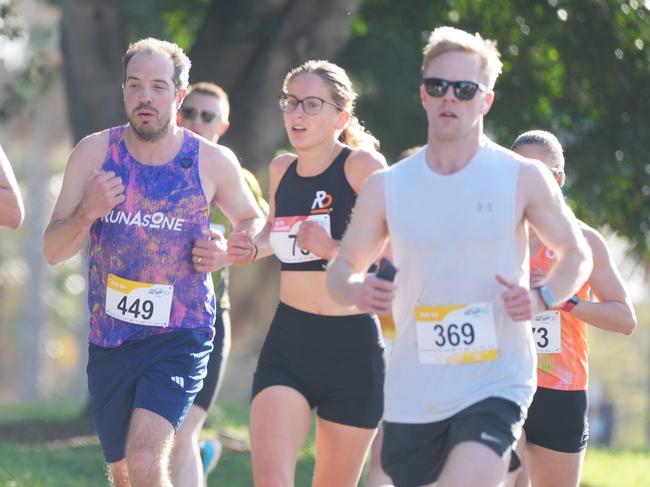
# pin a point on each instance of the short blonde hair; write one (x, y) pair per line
(212, 89)
(448, 39)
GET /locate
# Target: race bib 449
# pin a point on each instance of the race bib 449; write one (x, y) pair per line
(140, 303)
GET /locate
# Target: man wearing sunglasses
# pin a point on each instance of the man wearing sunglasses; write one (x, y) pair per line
(462, 367)
(205, 110)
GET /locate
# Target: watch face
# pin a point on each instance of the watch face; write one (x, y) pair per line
(547, 296)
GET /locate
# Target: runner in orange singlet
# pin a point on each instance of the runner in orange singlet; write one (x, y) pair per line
(556, 429)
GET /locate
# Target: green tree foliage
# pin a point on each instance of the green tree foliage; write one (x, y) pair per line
(579, 69)
(10, 25)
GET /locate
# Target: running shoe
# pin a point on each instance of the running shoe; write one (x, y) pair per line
(210, 454)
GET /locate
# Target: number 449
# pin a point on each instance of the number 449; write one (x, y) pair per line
(136, 309)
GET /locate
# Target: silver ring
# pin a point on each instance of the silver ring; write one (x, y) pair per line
(199, 260)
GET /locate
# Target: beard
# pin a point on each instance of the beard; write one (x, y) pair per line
(149, 132)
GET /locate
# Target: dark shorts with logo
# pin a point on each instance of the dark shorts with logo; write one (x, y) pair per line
(415, 454)
(217, 363)
(335, 362)
(557, 420)
(161, 373)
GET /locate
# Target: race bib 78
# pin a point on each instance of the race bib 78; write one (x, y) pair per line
(284, 237)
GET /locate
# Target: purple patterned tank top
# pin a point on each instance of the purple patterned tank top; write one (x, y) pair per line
(141, 278)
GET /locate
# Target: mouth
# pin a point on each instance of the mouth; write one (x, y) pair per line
(298, 129)
(145, 115)
(447, 114)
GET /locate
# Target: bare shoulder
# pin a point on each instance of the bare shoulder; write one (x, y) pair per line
(366, 160)
(362, 163)
(532, 170)
(279, 164)
(374, 185)
(217, 157)
(536, 182)
(90, 152)
(594, 238)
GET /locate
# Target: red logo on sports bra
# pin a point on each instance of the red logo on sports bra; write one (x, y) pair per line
(322, 203)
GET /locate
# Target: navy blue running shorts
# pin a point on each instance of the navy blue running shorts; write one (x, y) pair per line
(161, 373)
(335, 362)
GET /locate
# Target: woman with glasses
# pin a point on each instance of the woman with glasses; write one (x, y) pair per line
(556, 429)
(318, 355)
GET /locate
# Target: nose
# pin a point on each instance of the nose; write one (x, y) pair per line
(145, 94)
(449, 95)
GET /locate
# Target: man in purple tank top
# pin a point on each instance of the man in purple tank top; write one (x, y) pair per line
(142, 195)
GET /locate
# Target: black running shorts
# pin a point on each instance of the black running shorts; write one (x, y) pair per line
(414, 454)
(335, 362)
(557, 420)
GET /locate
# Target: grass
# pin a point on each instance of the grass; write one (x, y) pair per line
(30, 458)
(77, 461)
(616, 468)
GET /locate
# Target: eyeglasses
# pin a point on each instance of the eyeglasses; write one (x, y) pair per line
(463, 90)
(311, 105)
(189, 113)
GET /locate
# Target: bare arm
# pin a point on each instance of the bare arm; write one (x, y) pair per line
(613, 311)
(86, 195)
(557, 228)
(362, 243)
(233, 197)
(244, 248)
(12, 211)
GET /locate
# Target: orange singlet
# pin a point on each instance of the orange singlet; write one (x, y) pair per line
(387, 326)
(568, 369)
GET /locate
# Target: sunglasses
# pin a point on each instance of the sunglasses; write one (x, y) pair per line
(311, 105)
(189, 113)
(463, 90)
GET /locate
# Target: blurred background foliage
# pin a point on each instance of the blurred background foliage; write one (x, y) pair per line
(579, 69)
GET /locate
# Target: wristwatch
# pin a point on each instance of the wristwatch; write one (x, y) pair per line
(571, 303)
(548, 298)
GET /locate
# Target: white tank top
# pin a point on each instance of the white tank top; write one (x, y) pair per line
(450, 236)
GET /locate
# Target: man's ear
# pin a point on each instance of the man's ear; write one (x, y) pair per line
(223, 128)
(487, 103)
(180, 96)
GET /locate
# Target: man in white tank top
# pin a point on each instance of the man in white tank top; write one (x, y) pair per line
(457, 212)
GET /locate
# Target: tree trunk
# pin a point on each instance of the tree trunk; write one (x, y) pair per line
(93, 42)
(248, 46)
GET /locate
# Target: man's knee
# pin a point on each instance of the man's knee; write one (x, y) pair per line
(141, 460)
(185, 440)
